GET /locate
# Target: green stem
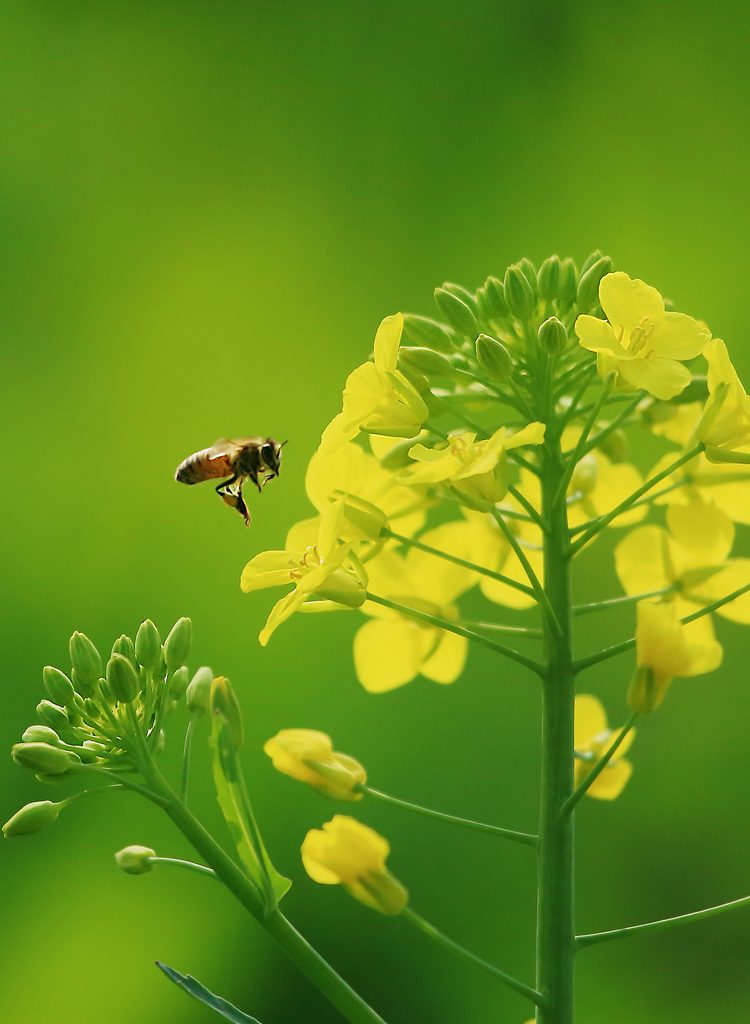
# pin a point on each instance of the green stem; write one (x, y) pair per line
(614, 602)
(611, 427)
(514, 455)
(477, 428)
(570, 803)
(593, 938)
(572, 409)
(187, 750)
(435, 430)
(531, 634)
(525, 503)
(533, 579)
(525, 990)
(579, 450)
(452, 627)
(385, 532)
(90, 769)
(449, 819)
(189, 865)
(636, 504)
(625, 505)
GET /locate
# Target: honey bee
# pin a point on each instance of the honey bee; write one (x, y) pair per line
(252, 458)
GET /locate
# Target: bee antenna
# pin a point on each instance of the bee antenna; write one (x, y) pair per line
(283, 443)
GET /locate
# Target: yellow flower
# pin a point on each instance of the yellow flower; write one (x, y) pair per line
(348, 470)
(309, 756)
(476, 470)
(664, 650)
(377, 397)
(391, 649)
(347, 853)
(325, 569)
(639, 340)
(725, 425)
(693, 557)
(593, 738)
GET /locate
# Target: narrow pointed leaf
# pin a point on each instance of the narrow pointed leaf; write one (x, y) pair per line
(200, 992)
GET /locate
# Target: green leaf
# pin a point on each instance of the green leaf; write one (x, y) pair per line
(238, 814)
(200, 992)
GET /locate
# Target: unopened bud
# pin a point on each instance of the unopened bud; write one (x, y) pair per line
(91, 708)
(122, 679)
(645, 694)
(518, 293)
(41, 757)
(588, 287)
(568, 283)
(40, 734)
(147, 644)
(398, 456)
(553, 336)
(584, 477)
(461, 293)
(549, 279)
(31, 818)
(425, 361)
(135, 860)
(85, 659)
(456, 313)
(494, 358)
(496, 308)
(57, 685)
(179, 682)
(125, 646)
(595, 256)
(224, 702)
(53, 716)
(423, 331)
(615, 446)
(178, 643)
(417, 380)
(198, 693)
(528, 270)
(365, 517)
(82, 686)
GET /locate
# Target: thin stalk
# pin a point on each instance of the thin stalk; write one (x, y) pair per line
(189, 865)
(450, 819)
(569, 805)
(435, 430)
(531, 634)
(573, 375)
(187, 750)
(386, 532)
(466, 420)
(594, 938)
(636, 504)
(626, 504)
(616, 422)
(91, 769)
(525, 990)
(525, 503)
(573, 408)
(533, 579)
(520, 398)
(521, 461)
(578, 452)
(452, 627)
(520, 516)
(715, 605)
(614, 602)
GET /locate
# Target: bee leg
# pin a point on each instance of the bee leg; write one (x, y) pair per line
(241, 506)
(226, 484)
(254, 478)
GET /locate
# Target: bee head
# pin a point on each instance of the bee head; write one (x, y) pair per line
(270, 455)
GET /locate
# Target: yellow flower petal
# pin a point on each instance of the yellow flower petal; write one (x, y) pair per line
(590, 720)
(640, 560)
(387, 341)
(611, 781)
(447, 663)
(627, 301)
(388, 653)
(704, 533)
(661, 377)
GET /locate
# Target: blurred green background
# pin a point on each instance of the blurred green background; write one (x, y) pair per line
(207, 208)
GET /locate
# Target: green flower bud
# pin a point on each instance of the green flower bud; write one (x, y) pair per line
(199, 691)
(398, 457)
(615, 446)
(457, 313)
(161, 669)
(98, 748)
(584, 477)
(224, 702)
(53, 716)
(417, 380)
(40, 734)
(429, 333)
(85, 659)
(31, 818)
(426, 361)
(518, 293)
(41, 757)
(92, 709)
(495, 306)
(595, 256)
(549, 279)
(178, 643)
(57, 685)
(461, 293)
(494, 358)
(528, 270)
(135, 860)
(179, 682)
(588, 286)
(82, 686)
(147, 644)
(122, 679)
(106, 691)
(365, 517)
(85, 754)
(125, 646)
(553, 337)
(568, 283)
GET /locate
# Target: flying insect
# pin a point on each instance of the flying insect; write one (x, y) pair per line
(253, 458)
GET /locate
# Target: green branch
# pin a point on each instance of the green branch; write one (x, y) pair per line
(452, 627)
(188, 865)
(613, 602)
(636, 504)
(611, 427)
(525, 990)
(593, 938)
(578, 452)
(530, 634)
(449, 819)
(533, 515)
(539, 591)
(570, 803)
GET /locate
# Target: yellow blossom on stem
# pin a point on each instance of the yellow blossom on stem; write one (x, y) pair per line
(593, 739)
(724, 426)
(664, 650)
(639, 340)
(346, 852)
(308, 756)
(693, 558)
(476, 470)
(327, 570)
(391, 649)
(377, 397)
